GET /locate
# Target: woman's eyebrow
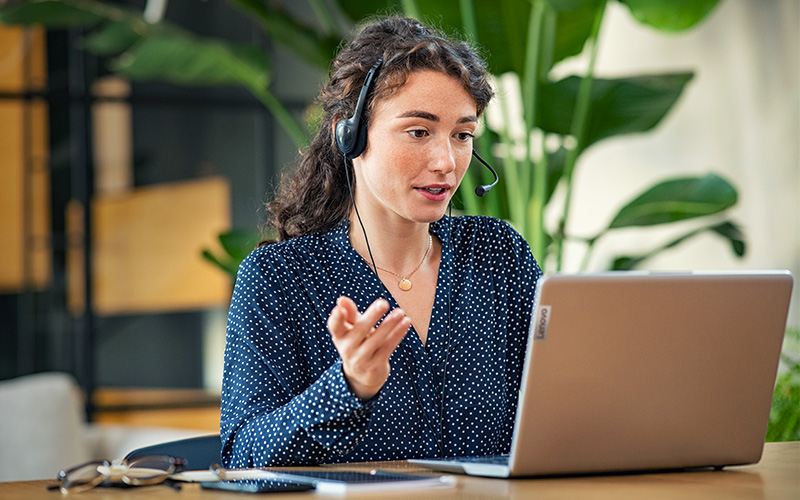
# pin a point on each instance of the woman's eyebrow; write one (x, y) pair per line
(414, 113)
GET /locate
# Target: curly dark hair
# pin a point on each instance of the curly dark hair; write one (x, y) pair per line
(314, 197)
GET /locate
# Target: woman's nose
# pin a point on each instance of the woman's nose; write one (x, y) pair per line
(443, 157)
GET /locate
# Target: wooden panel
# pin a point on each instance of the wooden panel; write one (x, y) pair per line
(25, 254)
(24, 196)
(11, 196)
(148, 243)
(23, 56)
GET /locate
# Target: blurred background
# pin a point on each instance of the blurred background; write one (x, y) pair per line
(139, 140)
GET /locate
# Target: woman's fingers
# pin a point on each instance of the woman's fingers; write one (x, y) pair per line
(348, 309)
(337, 324)
(370, 358)
(348, 326)
(345, 320)
(366, 322)
(383, 334)
(393, 337)
(364, 345)
(342, 316)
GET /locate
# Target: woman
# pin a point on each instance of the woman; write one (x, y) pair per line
(432, 365)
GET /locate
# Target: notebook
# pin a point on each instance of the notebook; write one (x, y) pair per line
(634, 371)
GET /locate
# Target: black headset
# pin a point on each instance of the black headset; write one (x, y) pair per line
(351, 133)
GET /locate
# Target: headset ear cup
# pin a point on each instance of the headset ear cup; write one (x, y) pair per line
(351, 139)
(351, 134)
(359, 140)
(345, 139)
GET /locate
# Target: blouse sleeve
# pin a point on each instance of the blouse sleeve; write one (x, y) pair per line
(274, 410)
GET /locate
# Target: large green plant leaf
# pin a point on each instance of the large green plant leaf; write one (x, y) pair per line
(727, 230)
(574, 19)
(177, 57)
(54, 14)
(502, 25)
(113, 38)
(312, 46)
(670, 15)
(359, 9)
(149, 52)
(733, 233)
(164, 52)
(503, 33)
(677, 199)
(236, 245)
(620, 106)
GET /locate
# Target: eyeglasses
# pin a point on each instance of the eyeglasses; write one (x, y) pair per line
(137, 472)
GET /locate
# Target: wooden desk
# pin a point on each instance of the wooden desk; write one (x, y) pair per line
(776, 477)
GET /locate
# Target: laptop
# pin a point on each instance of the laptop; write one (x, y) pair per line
(638, 371)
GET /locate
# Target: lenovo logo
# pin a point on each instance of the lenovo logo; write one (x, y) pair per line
(541, 323)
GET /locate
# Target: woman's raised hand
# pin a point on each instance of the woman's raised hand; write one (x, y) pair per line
(364, 347)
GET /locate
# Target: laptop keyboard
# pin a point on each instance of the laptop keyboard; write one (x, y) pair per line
(485, 459)
(354, 477)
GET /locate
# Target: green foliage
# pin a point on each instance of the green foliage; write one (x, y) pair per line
(784, 417)
(544, 126)
(158, 52)
(315, 47)
(726, 230)
(180, 59)
(236, 244)
(616, 107)
(670, 15)
(677, 199)
(54, 14)
(524, 40)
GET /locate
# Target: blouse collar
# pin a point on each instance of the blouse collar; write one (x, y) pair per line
(439, 228)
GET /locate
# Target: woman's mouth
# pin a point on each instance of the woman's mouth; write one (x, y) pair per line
(434, 193)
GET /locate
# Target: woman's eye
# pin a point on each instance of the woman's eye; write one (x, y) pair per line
(418, 133)
(464, 136)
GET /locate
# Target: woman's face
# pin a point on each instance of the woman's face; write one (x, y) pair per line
(419, 145)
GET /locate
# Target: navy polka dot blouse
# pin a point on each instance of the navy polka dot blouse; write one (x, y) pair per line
(284, 398)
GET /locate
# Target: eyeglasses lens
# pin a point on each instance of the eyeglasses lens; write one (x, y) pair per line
(149, 470)
(81, 478)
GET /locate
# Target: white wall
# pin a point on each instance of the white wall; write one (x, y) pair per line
(740, 117)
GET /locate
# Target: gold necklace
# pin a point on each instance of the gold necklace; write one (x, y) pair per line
(405, 283)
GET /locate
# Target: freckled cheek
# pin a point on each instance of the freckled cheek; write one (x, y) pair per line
(409, 162)
(395, 168)
(462, 163)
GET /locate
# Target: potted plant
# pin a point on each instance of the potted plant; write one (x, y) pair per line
(538, 144)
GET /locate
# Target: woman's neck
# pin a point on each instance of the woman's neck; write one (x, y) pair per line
(398, 247)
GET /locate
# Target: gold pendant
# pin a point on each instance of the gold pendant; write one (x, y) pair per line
(404, 284)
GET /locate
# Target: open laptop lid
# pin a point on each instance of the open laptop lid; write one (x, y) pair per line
(634, 371)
